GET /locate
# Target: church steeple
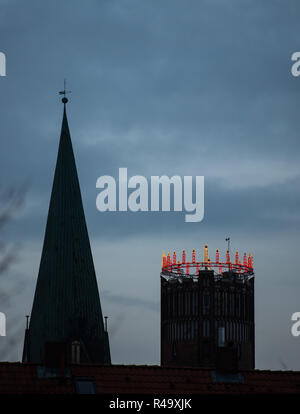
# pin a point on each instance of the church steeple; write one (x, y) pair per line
(66, 305)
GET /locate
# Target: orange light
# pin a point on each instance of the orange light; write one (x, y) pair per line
(240, 267)
(242, 264)
(237, 258)
(227, 257)
(174, 257)
(163, 260)
(250, 261)
(205, 253)
(217, 256)
(168, 259)
(218, 260)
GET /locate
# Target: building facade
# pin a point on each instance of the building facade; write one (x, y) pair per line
(207, 317)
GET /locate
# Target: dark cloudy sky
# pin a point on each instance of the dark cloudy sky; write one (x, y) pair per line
(198, 87)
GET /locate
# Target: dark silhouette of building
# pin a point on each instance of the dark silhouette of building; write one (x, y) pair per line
(207, 318)
(66, 323)
(207, 312)
(17, 378)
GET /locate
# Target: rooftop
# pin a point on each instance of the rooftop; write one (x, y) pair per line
(26, 378)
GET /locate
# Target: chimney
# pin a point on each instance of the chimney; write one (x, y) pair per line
(55, 356)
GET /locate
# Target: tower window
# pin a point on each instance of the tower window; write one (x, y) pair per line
(195, 302)
(186, 303)
(206, 328)
(180, 303)
(75, 352)
(206, 303)
(225, 303)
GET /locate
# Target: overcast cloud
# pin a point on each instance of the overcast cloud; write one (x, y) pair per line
(159, 87)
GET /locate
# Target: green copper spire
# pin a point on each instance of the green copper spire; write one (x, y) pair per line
(66, 305)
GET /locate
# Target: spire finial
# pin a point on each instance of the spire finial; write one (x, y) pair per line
(64, 92)
(228, 243)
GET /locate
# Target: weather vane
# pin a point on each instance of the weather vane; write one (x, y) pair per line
(64, 92)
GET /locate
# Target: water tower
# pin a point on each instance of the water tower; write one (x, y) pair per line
(207, 311)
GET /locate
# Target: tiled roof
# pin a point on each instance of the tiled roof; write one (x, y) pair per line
(18, 378)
